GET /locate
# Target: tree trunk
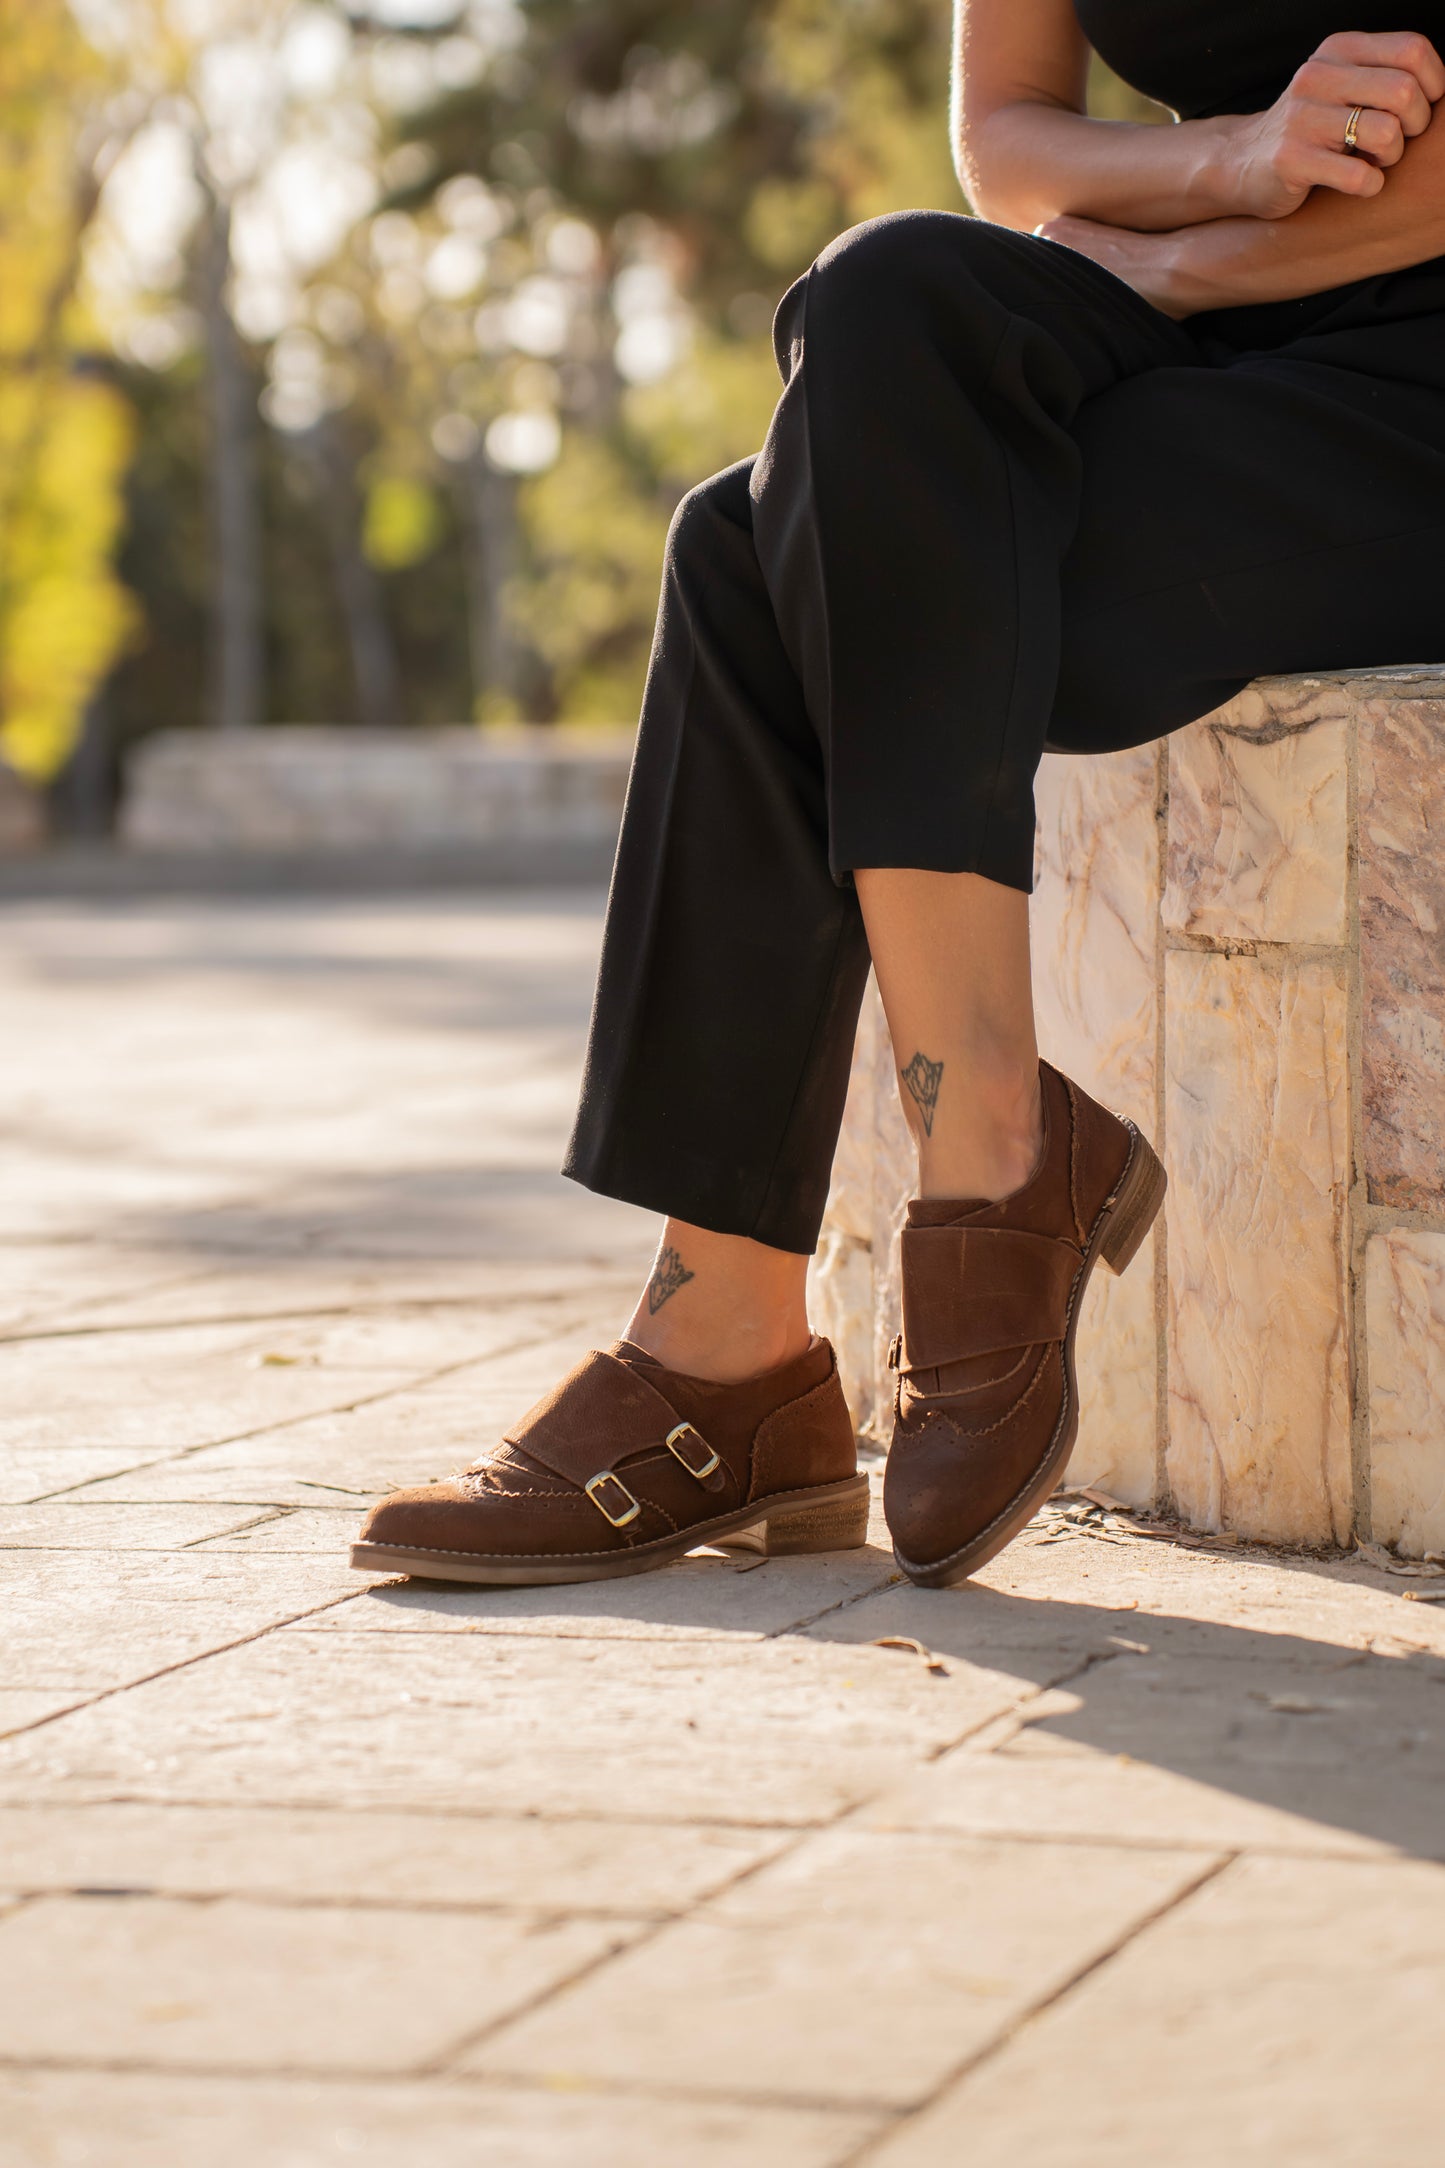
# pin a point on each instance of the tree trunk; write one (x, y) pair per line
(374, 662)
(237, 661)
(491, 530)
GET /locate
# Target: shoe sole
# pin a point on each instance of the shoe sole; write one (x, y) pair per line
(831, 1517)
(1124, 1220)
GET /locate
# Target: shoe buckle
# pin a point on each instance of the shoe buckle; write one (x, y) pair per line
(895, 1352)
(616, 1492)
(703, 1461)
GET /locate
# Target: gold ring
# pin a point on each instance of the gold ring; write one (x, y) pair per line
(1352, 130)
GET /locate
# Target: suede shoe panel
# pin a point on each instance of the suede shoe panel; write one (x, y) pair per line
(609, 1418)
(984, 1404)
(808, 1440)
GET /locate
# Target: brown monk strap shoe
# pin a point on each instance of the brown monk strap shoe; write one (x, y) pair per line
(986, 1409)
(625, 1466)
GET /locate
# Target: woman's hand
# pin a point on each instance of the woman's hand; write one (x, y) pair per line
(1145, 261)
(1299, 143)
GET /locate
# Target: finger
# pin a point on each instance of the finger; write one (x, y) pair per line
(1378, 136)
(1350, 176)
(1385, 90)
(1407, 50)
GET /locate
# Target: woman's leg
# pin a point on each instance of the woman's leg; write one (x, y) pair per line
(854, 664)
(952, 957)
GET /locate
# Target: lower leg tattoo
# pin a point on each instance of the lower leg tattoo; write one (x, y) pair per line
(922, 1077)
(668, 1275)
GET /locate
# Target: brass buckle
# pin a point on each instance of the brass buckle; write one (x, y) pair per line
(607, 1480)
(684, 1430)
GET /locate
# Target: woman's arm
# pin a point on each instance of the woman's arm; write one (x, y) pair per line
(1027, 153)
(1234, 261)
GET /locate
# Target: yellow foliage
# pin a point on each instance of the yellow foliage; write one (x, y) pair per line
(64, 617)
(402, 523)
(65, 440)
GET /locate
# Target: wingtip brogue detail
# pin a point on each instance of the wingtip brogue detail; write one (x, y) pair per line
(624, 1466)
(986, 1402)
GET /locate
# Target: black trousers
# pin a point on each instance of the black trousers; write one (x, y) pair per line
(1004, 505)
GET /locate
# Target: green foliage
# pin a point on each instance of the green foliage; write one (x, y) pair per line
(587, 608)
(731, 142)
(711, 411)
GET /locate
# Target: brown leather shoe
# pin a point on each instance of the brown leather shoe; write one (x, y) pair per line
(625, 1466)
(986, 1409)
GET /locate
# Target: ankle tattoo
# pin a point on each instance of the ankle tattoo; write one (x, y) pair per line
(668, 1275)
(922, 1078)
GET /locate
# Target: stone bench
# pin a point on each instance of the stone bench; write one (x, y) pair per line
(531, 802)
(1239, 941)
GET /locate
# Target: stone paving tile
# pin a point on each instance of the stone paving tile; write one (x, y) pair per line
(44, 1284)
(700, 1596)
(182, 1387)
(20, 1705)
(631, 1869)
(29, 1473)
(63, 1525)
(1287, 2014)
(1089, 1593)
(297, 1531)
(241, 1287)
(415, 1433)
(237, 1984)
(53, 2119)
(915, 1951)
(86, 1619)
(784, 1731)
(1194, 1750)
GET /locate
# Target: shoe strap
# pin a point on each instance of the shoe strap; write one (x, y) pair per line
(605, 1411)
(982, 1291)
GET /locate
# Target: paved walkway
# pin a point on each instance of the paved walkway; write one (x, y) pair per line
(1127, 1862)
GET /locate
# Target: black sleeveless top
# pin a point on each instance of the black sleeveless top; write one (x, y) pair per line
(1203, 57)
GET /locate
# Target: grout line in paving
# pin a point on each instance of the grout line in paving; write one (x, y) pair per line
(184, 1663)
(829, 1610)
(538, 1916)
(1217, 1865)
(401, 1307)
(438, 2064)
(704, 1902)
(261, 1520)
(412, 2073)
(411, 1384)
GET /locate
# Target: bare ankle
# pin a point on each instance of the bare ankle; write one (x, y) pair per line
(724, 1351)
(720, 1306)
(991, 1147)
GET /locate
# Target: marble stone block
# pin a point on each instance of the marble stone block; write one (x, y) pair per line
(1238, 941)
(1258, 1147)
(1093, 929)
(1405, 1293)
(1258, 817)
(1402, 944)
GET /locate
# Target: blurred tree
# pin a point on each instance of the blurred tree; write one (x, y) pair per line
(501, 273)
(65, 434)
(704, 156)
